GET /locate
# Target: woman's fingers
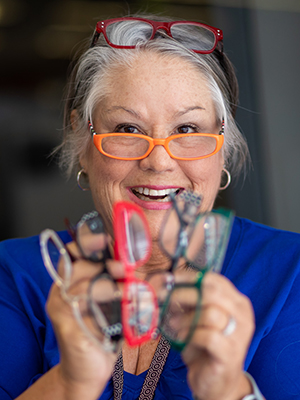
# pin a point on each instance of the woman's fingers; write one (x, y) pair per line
(84, 269)
(223, 305)
(84, 292)
(212, 317)
(224, 310)
(93, 244)
(217, 350)
(83, 361)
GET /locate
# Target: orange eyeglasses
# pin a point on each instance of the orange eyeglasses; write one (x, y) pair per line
(128, 146)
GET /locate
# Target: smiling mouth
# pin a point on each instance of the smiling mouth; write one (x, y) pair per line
(162, 195)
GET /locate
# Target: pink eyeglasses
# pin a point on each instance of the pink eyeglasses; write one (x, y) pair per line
(133, 249)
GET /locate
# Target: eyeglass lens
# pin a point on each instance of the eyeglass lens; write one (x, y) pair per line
(181, 312)
(91, 237)
(136, 239)
(192, 36)
(179, 223)
(105, 304)
(179, 301)
(140, 308)
(195, 37)
(128, 37)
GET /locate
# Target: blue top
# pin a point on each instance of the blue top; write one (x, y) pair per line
(262, 262)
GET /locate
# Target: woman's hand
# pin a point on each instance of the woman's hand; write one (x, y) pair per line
(215, 356)
(84, 367)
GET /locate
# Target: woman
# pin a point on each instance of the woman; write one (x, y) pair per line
(163, 86)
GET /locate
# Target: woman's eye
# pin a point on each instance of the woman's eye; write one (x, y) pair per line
(127, 129)
(187, 129)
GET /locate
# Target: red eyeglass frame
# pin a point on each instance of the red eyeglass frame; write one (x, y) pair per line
(121, 210)
(156, 25)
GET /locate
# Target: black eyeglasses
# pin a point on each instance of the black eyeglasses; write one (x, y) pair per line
(198, 37)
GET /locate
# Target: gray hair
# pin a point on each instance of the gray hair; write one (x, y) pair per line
(87, 86)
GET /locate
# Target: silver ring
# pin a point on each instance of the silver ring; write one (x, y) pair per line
(230, 327)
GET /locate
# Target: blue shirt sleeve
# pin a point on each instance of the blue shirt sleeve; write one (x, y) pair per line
(27, 344)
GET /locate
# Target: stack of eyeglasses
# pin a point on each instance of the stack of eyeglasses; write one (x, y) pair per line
(110, 306)
(113, 306)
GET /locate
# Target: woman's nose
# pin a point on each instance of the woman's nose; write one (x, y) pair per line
(158, 160)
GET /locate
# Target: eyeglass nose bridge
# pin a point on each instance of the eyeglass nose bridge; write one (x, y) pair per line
(164, 26)
(158, 142)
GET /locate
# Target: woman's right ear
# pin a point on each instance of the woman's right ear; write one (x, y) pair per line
(74, 119)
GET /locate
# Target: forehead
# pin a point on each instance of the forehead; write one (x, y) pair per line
(151, 77)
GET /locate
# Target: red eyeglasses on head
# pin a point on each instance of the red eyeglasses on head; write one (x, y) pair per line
(198, 37)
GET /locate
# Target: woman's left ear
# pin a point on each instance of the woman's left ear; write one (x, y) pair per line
(82, 162)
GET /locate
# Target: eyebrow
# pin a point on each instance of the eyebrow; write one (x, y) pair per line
(128, 110)
(186, 110)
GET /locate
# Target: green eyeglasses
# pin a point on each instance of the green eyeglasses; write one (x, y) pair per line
(196, 243)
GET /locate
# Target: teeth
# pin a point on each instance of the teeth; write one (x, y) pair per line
(152, 192)
(162, 195)
(164, 200)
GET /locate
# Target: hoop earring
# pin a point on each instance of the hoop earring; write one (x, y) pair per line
(84, 189)
(228, 179)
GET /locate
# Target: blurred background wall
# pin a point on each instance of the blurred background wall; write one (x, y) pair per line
(38, 40)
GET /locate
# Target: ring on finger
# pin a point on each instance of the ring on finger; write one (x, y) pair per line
(230, 327)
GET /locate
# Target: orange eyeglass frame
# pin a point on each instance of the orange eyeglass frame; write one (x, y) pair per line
(97, 139)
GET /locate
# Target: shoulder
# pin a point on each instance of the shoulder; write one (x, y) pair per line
(253, 244)
(24, 250)
(21, 262)
(256, 232)
(20, 247)
(261, 260)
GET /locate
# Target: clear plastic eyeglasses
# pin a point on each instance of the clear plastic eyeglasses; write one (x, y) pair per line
(133, 248)
(97, 302)
(196, 243)
(108, 309)
(58, 263)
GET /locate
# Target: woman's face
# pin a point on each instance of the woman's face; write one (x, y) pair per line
(157, 97)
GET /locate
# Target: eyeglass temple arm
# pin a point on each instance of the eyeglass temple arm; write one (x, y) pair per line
(180, 245)
(95, 39)
(220, 46)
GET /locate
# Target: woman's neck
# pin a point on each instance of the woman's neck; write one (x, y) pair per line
(138, 359)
